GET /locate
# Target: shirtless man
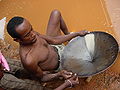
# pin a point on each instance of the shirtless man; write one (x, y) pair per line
(37, 54)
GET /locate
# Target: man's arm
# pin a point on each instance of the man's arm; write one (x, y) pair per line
(63, 38)
(44, 75)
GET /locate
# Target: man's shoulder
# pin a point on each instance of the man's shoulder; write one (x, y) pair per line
(23, 49)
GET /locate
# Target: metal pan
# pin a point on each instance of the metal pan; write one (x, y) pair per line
(90, 54)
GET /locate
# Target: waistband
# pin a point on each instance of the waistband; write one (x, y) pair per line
(56, 50)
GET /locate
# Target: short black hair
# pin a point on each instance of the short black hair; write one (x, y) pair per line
(12, 24)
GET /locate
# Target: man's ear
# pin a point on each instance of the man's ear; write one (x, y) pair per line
(17, 40)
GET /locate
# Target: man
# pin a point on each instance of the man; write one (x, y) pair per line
(38, 55)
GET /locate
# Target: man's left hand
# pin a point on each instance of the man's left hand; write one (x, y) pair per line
(83, 32)
(65, 74)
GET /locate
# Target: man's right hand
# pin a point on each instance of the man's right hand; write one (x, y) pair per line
(65, 74)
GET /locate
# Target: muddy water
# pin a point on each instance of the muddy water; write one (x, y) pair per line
(114, 13)
(78, 14)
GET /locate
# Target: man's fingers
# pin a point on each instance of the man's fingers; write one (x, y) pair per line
(68, 73)
(88, 31)
(85, 31)
(77, 80)
(67, 77)
(74, 76)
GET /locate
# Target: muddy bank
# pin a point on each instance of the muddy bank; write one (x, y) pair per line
(8, 50)
(113, 8)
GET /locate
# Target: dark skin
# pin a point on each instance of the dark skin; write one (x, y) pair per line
(37, 55)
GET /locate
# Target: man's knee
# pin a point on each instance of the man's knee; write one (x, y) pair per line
(56, 12)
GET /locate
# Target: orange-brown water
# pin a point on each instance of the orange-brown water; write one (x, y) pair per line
(78, 15)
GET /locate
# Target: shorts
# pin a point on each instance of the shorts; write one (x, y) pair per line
(59, 49)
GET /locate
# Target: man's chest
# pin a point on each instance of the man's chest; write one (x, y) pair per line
(37, 52)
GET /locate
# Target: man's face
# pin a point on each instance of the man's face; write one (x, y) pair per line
(25, 30)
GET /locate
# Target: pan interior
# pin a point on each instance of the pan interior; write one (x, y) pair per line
(90, 54)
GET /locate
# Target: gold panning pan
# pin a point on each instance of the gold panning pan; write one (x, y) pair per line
(90, 54)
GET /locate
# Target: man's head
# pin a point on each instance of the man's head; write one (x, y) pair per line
(21, 30)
